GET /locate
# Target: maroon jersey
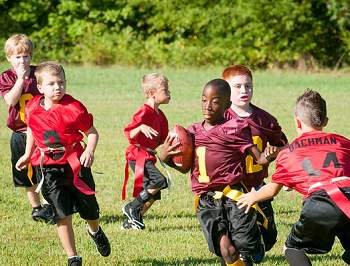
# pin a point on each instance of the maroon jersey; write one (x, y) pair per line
(59, 126)
(312, 161)
(8, 79)
(220, 152)
(139, 145)
(265, 129)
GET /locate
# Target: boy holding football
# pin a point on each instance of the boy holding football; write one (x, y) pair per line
(220, 144)
(146, 131)
(265, 129)
(17, 87)
(55, 122)
(317, 165)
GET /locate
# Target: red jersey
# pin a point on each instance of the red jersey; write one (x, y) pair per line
(15, 120)
(219, 152)
(313, 160)
(265, 129)
(137, 150)
(59, 126)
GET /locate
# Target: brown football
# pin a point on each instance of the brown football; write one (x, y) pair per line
(184, 160)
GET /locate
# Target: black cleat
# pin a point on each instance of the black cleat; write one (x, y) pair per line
(129, 225)
(134, 216)
(44, 214)
(75, 261)
(101, 242)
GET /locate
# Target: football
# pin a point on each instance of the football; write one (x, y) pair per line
(184, 160)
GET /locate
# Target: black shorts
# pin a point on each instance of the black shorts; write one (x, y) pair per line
(269, 235)
(152, 178)
(26, 177)
(59, 191)
(222, 216)
(319, 223)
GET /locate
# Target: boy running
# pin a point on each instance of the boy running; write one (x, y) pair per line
(55, 122)
(317, 165)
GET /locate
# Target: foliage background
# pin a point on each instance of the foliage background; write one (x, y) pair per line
(264, 34)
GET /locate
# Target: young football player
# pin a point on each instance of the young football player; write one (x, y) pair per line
(317, 165)
(265, 129)
(220, 144)
(55, 122)
(17, 87)
(146, 131)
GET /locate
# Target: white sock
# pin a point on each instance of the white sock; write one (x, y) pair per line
(91, 232)
(75, 256)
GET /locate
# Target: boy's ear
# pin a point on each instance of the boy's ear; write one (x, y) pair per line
(229, 103)
(39, 88)
(325, 122)
(298, 124)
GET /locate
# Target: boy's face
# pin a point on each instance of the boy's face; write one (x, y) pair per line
(214, 105)
(241, 90)
(52, 86)
(19, 60)
(162, 94)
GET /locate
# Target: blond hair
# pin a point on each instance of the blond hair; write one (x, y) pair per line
(48, 67)
(153, 81)
(17, 44)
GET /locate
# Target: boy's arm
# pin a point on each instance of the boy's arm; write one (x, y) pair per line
(146, 130)
(263, 158)
(24, 160)
(264, 193)
(12, 97)
(87, 157)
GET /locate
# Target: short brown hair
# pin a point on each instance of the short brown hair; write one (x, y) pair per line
(18, 43)
(311, 108)
(48, 67)
(153, 81)
(236, 70)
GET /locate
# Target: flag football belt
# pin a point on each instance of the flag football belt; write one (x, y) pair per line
(232, 194)
(139, 171)
(332, 188)
(73, 161)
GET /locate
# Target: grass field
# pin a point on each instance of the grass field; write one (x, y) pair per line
(172, 235)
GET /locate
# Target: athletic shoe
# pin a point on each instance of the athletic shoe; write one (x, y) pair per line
(129, 225)
(75, 261)
(133, 215)
(44, 214)
(101, 242)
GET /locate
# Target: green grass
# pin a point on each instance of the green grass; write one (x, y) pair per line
(172, 235)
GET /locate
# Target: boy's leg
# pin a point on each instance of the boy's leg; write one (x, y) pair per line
(66, 235)
(99, 237)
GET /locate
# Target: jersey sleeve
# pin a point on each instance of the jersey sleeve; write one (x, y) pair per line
(6, 83)
(136, 121)
(281, 175)
(243, 136)
(84, 119)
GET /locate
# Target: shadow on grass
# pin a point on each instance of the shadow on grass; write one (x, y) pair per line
(186, 261)
(315, 258)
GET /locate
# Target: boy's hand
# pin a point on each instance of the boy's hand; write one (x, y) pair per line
(148, 131)
(271, 153)
(87, 158)
(22, 73)
(248, 200)
(169, 149)
(22, 162)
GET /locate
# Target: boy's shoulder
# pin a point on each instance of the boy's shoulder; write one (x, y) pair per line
(261, 113)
